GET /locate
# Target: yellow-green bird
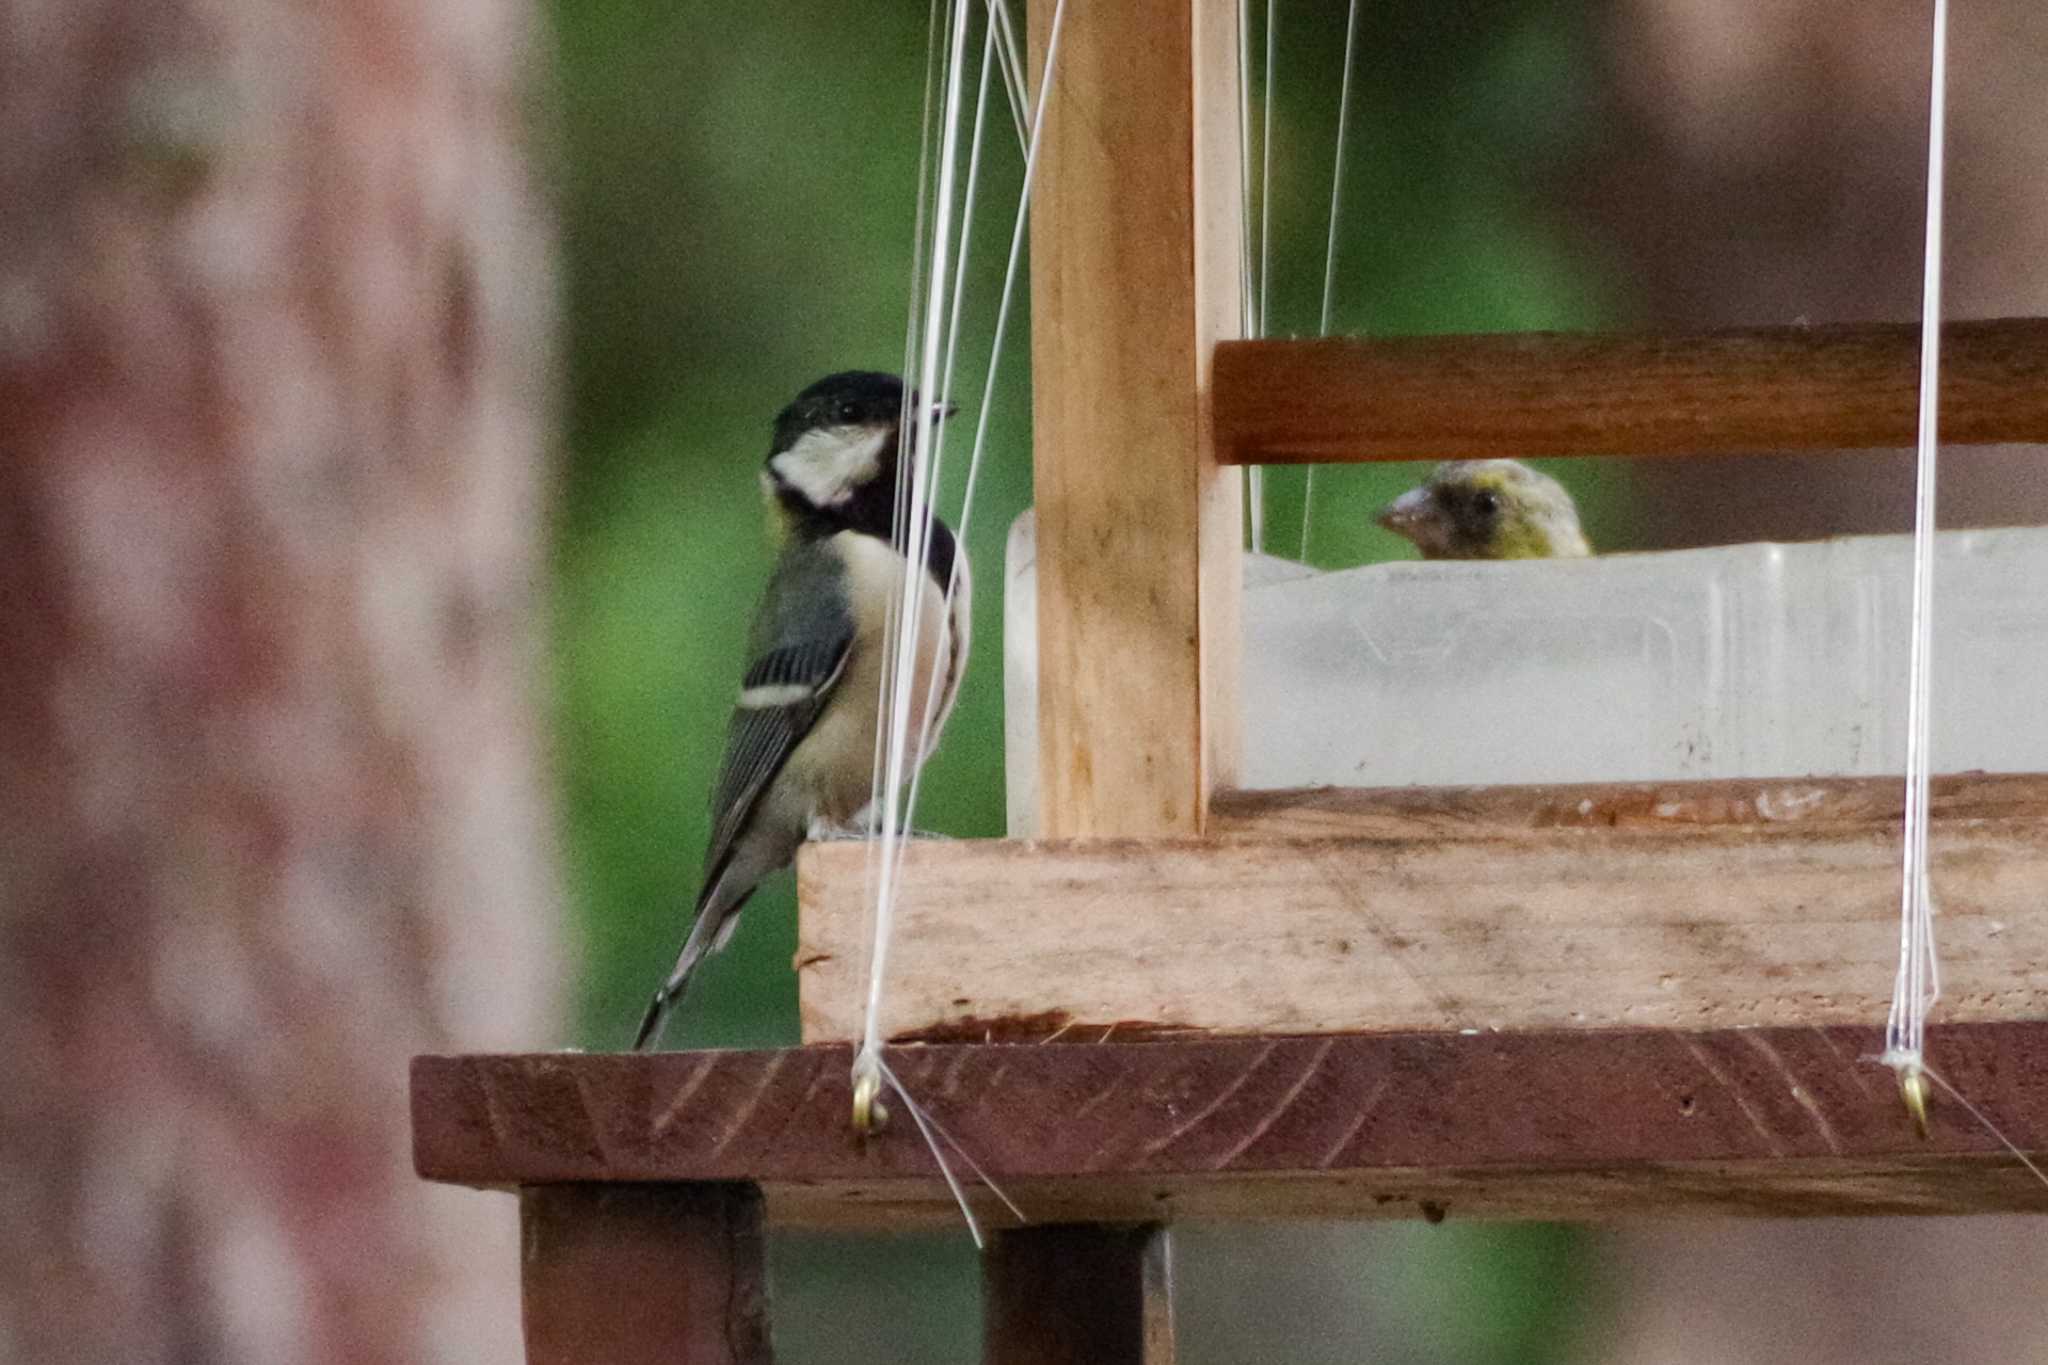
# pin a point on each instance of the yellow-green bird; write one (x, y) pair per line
(1488, 509)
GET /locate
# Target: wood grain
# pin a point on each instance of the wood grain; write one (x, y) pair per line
(1134, 257)
(1560, 393)
(1075, 1294)
(1417, 812)
(644, 1275)
(1558, 1124)
(1698, 925)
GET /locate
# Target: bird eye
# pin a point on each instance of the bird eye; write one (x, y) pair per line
(1486, 502)
(846, 412)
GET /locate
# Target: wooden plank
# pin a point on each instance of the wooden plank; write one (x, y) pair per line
(1412, 812)
(1700, 926)
(1562, 393)
(1135, 235)
(1078, 1294)
(643, 1274)
(1560, 1124)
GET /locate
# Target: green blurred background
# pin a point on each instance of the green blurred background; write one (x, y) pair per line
(737, 188)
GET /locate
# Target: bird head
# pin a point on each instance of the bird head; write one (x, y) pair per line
(1488, 509)
(835, 446)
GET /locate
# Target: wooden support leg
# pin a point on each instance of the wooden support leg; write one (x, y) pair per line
(1079, 1295)
(639, 1274)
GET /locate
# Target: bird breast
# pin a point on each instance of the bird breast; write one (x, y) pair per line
(846, 732)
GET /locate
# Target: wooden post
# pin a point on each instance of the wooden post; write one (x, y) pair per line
(1136, 230)
(1079, 1295)
(644, 1275)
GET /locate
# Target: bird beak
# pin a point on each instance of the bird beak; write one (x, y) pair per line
(1405, 513)
(941, 411)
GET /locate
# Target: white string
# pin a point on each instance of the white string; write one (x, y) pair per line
(922, 465)
(1985, 1119)
(928, 1126)
(938, 1153)
(934, 1134)
(981, 421)
(1011, 57)
(945, 389)
(1258, 474)
(1244, 166)
(1337, 168)
(1917, 985)
(920, 226)
(913, 466)
(1254, 476)
(927, 512)
(1266, 171)
(1308, 487)
(912, 526)
(892, 846)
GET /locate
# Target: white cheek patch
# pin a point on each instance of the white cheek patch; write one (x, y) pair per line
(828, 464)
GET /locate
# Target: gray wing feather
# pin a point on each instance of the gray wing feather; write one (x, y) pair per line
(802, 637)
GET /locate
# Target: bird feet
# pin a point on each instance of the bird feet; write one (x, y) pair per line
(826, 832)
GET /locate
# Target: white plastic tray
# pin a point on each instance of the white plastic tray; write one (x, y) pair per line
(1759, 660)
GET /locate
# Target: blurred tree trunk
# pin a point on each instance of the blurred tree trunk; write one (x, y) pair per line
(1873, 1291)
(1764, 164)
(274, 398)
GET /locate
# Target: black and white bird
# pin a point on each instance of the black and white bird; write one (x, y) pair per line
(800, 750)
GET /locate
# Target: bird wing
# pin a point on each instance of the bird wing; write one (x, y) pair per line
(959, 622)
(802, 638)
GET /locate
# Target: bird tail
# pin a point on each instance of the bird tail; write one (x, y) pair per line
(717, 914)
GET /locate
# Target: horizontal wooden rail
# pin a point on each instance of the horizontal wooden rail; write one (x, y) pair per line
(1568, 1124)
(1560, 393)
(1429, 812)
(1673, 905)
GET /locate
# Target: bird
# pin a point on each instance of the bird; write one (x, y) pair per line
(1488, 509)
(801, 744)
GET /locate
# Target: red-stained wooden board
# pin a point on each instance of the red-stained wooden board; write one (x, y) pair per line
(1838, 387)
(1558, 1124)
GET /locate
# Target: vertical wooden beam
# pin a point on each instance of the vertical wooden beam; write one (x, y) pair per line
(1079, 1295)
(1136, 231)
(639, 1274)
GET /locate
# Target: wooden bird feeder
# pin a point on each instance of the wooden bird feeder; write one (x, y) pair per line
(1205, 1065)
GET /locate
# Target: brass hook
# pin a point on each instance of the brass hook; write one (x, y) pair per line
(870, 1115)
(1913, 1090)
